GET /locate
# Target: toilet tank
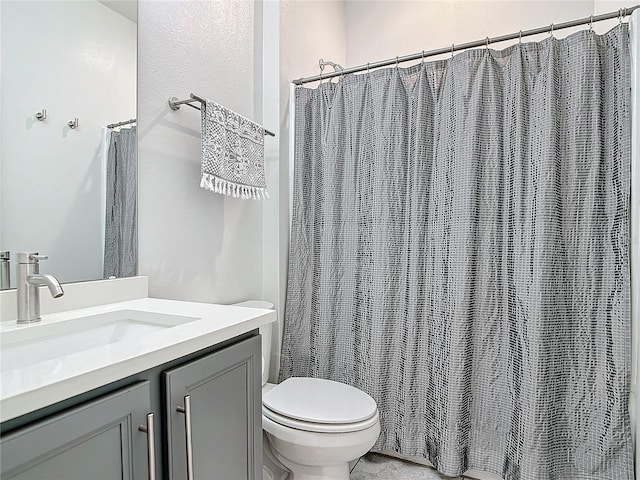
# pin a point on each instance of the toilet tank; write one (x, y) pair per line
(265, 333)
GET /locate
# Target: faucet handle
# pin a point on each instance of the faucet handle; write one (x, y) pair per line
(30, 257)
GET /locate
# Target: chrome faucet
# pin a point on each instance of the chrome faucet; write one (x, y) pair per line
(28, 283)
(5, 276)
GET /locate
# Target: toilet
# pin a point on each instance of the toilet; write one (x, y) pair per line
(312, 428)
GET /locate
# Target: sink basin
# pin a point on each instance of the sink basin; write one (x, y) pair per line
(38, 343)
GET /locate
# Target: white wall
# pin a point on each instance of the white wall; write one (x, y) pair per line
(75, 59)
(606, 6)
(378, 30)
(194, 244)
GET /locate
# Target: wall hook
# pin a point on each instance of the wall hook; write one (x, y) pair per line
(41, 115)
(73, 123)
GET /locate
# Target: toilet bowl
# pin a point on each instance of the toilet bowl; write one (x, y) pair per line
(313, 427)
(316, 427)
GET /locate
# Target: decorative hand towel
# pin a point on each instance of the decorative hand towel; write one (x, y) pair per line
(232, 153)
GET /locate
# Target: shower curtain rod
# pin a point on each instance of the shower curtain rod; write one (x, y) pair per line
(623, 12)
(119, 124)
(174, 104)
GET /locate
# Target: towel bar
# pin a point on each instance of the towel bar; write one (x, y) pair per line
(174, 104)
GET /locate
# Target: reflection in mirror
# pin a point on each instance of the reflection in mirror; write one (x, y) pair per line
(67, 182)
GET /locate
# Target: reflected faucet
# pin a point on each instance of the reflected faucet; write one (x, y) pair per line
(5, 276)
(28, 283)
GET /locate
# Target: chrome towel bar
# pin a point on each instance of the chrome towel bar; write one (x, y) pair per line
(174, 104)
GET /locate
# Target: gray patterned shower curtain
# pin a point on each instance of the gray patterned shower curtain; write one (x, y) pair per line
(121, 225)
(459, 251)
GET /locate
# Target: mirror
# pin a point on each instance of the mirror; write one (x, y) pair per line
(68, 70)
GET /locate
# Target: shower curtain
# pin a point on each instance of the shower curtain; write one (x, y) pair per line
(459, 251)
(121, 231)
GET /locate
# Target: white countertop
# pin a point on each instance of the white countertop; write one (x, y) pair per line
(23, 390)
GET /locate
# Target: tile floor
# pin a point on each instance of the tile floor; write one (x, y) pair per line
(375, 466)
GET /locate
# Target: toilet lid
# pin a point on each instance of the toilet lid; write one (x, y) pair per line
(317, 427)
(319, 401)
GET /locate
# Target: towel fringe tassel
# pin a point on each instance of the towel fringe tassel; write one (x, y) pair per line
(235, 190)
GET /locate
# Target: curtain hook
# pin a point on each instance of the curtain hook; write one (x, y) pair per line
(591, 24)
(422, 56)
(551, 31)
(452, 46)
(487, 44)
(368, 71)
(520, 38)
(396, 62)
(620, 17)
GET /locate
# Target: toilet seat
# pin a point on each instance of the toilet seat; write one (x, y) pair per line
(320, 427)
(319, 405)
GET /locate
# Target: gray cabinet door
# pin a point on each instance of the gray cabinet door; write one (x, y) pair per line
(226, 414)
(97, 440)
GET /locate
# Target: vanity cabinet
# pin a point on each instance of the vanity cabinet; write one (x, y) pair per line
(213, 415)
(99, 439)
(97, 435)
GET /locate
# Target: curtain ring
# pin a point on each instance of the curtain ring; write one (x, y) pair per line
(520, 38)
(591, 24)
(396, 62)
(620, 17)
(551, 32)
(486, 45)
(368, 68)
(452, 46)
(422, 56)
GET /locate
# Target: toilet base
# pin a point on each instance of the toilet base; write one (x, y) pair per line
(318, 456)
(314, 472)
(272, 468)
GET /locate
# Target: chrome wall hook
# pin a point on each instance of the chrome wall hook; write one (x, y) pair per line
(73, 123)
(42, 115)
